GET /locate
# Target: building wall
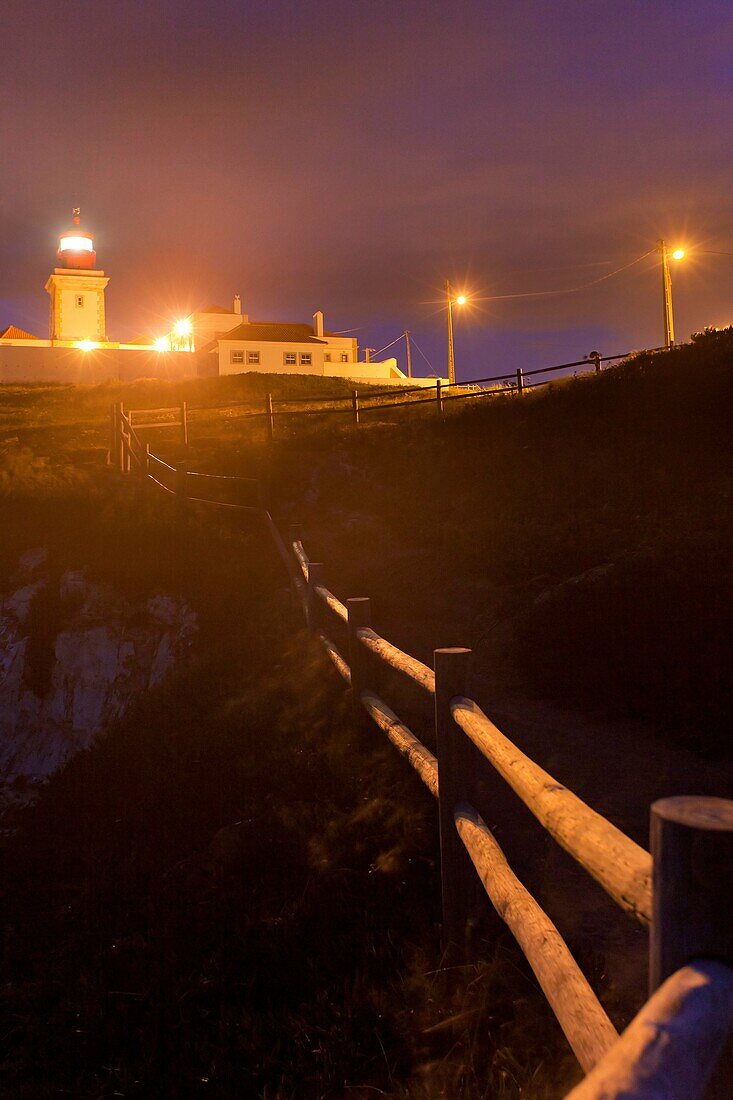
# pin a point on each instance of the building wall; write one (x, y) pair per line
(69, 319)
(271, 357)
(70, 365)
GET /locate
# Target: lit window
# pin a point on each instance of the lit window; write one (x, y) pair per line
(327, 357)
(344, 357)
(253, 358)
(305, 359)
(290, 359)
(236, 357)
(80, 301)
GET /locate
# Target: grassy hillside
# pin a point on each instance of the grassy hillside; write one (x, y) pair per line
(231, 894)
(578, 538)
(234, 894)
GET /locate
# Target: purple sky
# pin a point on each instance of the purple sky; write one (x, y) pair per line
(351, 154)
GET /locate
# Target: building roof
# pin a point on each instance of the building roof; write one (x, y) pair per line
(273, 332)
(216, 309)
(12, 332)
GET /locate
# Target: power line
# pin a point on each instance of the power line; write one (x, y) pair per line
(416, 345)
(389, 345)
(568, 290)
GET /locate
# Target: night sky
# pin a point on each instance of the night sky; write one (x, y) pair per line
(351, 155)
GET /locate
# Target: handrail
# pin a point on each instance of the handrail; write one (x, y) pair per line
(671, 1047)
(338, 662)
(421, 759)
(166, 409)
(155, 458)
(397, 659)
(579, 1013)
(332, 602)
(224, 477)
(618, 864)
(302, 557)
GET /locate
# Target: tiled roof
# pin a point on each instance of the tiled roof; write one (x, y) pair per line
(272, 332)
(12, 332)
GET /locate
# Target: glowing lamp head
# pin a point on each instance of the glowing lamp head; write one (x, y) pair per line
(86, 345)
(162, 344)
(678, 254)
(183, 327)
(76, 247)
(461, 300)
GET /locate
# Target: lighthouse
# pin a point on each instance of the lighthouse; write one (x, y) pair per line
(76, 288)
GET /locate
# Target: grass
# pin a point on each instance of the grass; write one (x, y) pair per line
(232, 893)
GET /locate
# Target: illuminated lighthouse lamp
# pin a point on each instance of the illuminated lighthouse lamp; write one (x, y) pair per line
(76, 248)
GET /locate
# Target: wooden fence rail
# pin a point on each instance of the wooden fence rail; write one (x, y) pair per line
(683, 890)
(676, 1046)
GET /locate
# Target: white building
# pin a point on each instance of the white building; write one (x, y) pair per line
(214, 340)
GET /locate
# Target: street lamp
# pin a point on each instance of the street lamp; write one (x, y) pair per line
(459, 300)
(667, 314)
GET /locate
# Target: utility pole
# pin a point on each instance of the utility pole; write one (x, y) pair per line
(451, 356)
(667, 314)
(409, 354)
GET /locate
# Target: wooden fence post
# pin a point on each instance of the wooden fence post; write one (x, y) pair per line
(315, 576)
(355, 405)
(117, 453)
(520, 382)
(184, 423)
(269, 416)
(181, 487)
(360, 615)
(692, 900)
(692, 896)
(144, 459)
(455, 773)
(439, 395)
(295, 531)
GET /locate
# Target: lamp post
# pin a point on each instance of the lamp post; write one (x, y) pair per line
(460, 300)
(667, 312)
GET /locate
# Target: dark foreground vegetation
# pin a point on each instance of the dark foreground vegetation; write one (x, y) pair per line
(233, 894)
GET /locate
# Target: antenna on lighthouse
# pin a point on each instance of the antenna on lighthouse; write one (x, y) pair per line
(77, 214)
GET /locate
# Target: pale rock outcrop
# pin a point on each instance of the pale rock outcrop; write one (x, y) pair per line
(101, 653)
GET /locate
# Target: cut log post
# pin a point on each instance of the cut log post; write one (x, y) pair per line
(692, 899)
(269, 416)
(316, 575)
(455, 767)
(439, 395)
(355, 405)
(184, 423)
(360, 615)
(595, 358)
(520, 382)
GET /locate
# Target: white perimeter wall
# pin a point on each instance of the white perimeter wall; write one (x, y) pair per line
(49, 364)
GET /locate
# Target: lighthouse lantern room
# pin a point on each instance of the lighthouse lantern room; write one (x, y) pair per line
(76, 289)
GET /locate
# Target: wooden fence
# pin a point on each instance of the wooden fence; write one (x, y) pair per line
(682, 891)
(675, 1048)
(358, 406)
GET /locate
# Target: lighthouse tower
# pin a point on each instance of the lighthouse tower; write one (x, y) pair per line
(76, 288)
